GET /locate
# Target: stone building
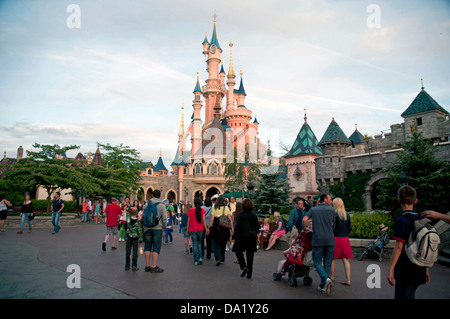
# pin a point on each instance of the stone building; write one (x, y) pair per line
(358, 153)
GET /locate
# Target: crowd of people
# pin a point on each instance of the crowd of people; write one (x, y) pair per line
(216, 225)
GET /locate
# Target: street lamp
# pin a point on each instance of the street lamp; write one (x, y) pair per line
(250, 188)
(403, 179)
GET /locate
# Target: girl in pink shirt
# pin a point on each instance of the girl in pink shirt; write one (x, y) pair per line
(195, 226)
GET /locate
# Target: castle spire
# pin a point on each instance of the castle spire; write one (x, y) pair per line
(181, 130)
(214, 38)
(197, 85)
(230, 67)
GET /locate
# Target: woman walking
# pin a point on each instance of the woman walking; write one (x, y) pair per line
(26, 213)
(195, 226)
(342, 248)
(245, 236)
(220, 231)
(3, 211)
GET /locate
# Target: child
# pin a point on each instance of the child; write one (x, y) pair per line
(169, 227)
(97, 211)
(122, 222)
(264, 231)
(134, 233)
(405, 275)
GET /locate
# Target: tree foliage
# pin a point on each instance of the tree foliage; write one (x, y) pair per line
(425, 173)
(272, 193)
(353, 192)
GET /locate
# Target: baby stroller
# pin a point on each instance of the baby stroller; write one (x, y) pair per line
(293, 264)
(376, 247)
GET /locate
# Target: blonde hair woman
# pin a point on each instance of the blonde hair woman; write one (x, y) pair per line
(342, 249)
(280, 230)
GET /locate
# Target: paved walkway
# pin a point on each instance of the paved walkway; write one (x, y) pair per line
(35, 266)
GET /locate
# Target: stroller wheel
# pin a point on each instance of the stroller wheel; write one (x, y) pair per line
(276, 276)
(307, 281)
(292, 282)
(380, 258)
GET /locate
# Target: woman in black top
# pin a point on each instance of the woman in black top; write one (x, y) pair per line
(26, 213)
(245, 237)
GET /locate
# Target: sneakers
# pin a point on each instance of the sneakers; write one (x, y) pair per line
(153, 270)
(327, 289)
(104, 246)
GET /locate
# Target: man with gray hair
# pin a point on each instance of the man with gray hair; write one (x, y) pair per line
(322, 217)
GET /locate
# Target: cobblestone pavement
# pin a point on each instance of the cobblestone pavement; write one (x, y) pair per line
(35, 266)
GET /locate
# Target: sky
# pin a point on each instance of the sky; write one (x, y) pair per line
(118, 72)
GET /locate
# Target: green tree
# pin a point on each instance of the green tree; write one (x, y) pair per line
(353, 191)
(425, 173)
(235, 177)
(272, 192)
(127, 163)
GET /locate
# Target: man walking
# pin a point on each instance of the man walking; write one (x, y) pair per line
(112, 213)
(322, 217)
(153, 235)
(57, 207)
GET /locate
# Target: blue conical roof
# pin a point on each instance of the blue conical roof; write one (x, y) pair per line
(305, 143)
(241, 89)
(423, 103)
(197, 87)
(214, 38)
(334, 134)
(160, 166)
(357, 138)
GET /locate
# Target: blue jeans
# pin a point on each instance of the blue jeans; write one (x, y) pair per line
(323, 257)
(196, 237)
(168, 232)
(55, 221)
(25, 217)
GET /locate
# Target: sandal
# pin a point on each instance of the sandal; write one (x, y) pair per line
(346, 283)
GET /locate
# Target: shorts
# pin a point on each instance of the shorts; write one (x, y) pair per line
(111, 230)
(279, 233)
(184, 231)
(342, 248)
(153, 240)
(3, 214)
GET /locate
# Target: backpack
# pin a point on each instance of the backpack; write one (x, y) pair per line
(150, 218)
(422, 247)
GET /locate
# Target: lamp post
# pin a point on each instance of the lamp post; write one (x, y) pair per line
(250, 189)
(403, 179)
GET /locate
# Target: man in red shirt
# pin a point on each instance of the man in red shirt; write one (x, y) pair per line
(112, 213)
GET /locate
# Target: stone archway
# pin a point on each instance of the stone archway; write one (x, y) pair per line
(149, 194)
(171, 196)
(370, 186)
(213, 190)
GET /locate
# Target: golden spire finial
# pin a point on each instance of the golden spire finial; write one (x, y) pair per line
(305, 115)
(215, 15)
(181, 130)
(240, 71)
(230, 68)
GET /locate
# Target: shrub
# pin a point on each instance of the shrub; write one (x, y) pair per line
(366, 225)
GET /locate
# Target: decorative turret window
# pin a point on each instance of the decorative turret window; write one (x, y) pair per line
(197, 169)
(213, 169)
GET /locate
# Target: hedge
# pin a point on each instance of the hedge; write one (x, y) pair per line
(366, 225)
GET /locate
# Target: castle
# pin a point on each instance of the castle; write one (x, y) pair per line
(198, 167)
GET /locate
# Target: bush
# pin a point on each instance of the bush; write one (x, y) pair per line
(366, 225)
(41, 205)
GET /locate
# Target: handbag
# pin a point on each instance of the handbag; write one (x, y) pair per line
(31, 216)
(224, 221)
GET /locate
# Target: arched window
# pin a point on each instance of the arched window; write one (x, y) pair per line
(213, 169)
(197, 169)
